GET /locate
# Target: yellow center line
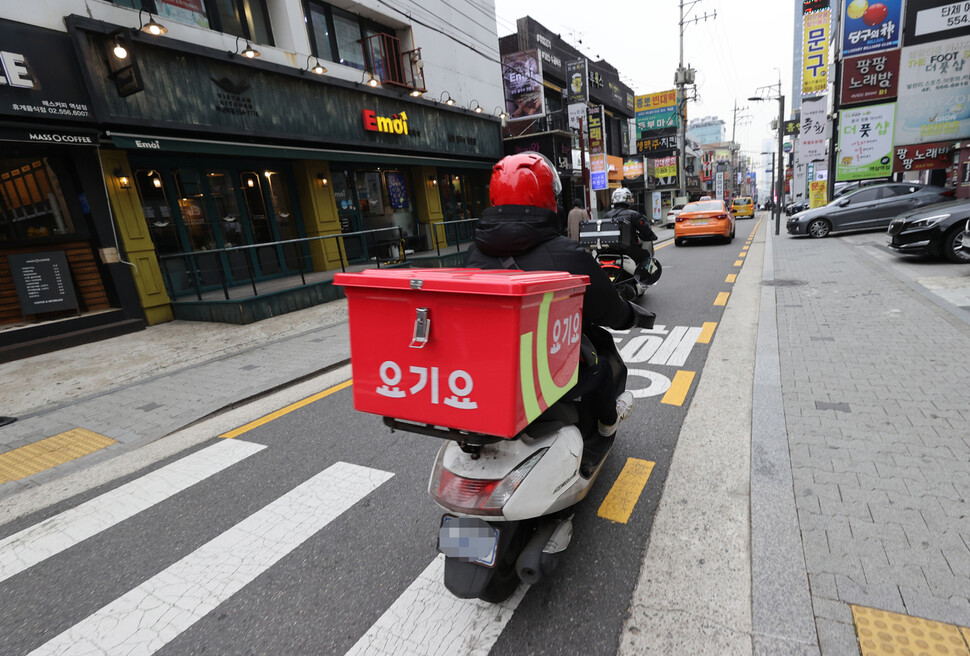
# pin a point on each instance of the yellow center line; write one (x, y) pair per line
(722, 298)
(679, 387)
(738, 262)
(742, 254)
(236, 432)
(664, 245)
(707, 332)
(731, 277)
(623, 496)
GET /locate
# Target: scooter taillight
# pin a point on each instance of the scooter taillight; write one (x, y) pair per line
(466, 495)
(477, 496)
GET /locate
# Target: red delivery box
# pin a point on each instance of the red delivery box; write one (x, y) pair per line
(480, 351)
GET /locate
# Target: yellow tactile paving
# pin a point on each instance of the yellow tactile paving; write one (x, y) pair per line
(882, 632)
(679, 387)
(50, 452)
(623, 496)
(722, 298)
(707, 332)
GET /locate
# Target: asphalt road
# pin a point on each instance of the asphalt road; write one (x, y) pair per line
(233, 562)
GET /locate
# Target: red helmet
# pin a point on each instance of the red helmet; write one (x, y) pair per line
(524, 179)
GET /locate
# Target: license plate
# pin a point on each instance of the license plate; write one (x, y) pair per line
(468, 539)
(699, 222)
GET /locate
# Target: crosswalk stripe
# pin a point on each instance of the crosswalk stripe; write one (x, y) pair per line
(427, 620)
(150, 616)
(30, 546)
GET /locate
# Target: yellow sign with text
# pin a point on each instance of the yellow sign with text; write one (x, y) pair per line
(815, 51)
(817, 196)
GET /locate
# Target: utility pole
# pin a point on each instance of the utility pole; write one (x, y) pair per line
(682, 78)
(734, 148)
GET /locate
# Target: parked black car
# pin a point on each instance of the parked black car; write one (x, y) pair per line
(868, 208)
(796, 207)
(937, 230)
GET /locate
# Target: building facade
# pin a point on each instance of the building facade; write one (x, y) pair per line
(244, 142)
(706, 130)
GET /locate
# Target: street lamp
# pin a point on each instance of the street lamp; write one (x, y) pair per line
(780, 190)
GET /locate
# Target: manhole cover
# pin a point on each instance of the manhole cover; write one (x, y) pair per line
(783, 282)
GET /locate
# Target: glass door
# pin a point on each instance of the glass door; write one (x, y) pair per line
(348, 212)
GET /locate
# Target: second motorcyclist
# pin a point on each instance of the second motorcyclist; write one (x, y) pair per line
(622, 210)
(520, 231)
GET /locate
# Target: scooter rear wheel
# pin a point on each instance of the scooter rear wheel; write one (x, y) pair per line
(505, 580)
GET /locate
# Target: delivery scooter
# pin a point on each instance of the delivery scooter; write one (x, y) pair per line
(508, 490)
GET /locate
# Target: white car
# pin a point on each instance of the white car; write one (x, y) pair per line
(672, 214)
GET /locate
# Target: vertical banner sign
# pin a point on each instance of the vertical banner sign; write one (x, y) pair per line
(598, 172)
(719, 185)
(933, 20)
(656, 111)
(522, 78)
(657, 205)
(870, 78)
(577, 87)
(865, 143)
(814, 130)
(934, 83)
(815, 51)
(870, 27)
(595, 119)
(817, 193)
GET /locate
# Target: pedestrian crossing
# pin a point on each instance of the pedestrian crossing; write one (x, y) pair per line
(426, 619)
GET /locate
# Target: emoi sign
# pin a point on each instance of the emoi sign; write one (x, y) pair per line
(395, 124)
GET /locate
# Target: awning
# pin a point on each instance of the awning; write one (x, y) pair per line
(48, 134)
(150, 144)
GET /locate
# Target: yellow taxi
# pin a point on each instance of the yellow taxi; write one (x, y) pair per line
(742, 206)
(704, 218)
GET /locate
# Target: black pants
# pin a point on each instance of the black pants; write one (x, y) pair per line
(602, 375)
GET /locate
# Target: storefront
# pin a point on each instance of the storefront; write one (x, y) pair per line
(225, 152)
(63, 280)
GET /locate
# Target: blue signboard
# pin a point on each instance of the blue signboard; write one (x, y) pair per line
(871, 27)
(598, 180)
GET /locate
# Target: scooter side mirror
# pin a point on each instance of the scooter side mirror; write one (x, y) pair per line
(648, 272)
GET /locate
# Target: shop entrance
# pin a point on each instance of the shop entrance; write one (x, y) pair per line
(203, 209)
(348, 212)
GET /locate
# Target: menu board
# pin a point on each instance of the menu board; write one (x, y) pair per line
(43, 282)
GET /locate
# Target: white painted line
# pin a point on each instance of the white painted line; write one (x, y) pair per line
(30, 546)
(147, 618)
(427, 620)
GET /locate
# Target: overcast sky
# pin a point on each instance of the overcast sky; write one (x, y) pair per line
(734, 54)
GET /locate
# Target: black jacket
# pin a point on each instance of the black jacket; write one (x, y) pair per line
(637, 220)
(530, 235)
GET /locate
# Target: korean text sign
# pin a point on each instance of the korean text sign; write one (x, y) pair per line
(814, 130)
(865, 143)
(933, 20)
(655, 111)
(815, 51)
(922, 157)
(934, 80)
(596, 126)
(870, 27)
(870, 78)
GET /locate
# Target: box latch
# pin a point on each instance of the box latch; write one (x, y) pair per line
(422, 328)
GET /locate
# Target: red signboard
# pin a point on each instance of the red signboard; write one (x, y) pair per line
(920, 157)
(870, 78)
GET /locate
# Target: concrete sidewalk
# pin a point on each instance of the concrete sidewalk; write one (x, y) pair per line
(128, 391)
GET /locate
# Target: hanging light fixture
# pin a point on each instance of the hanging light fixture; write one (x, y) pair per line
(317, 68)
(152, 26)
(249, 52)
(477, 108)
(449, 101)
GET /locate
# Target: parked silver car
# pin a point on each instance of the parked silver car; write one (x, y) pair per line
(868, 208)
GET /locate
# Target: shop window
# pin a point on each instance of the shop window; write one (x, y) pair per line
(32, 204)
(157, 211)
(371, 193)
(338, 36)
(246, 18)
(227, 208)
(279, 195)
(192, 205)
